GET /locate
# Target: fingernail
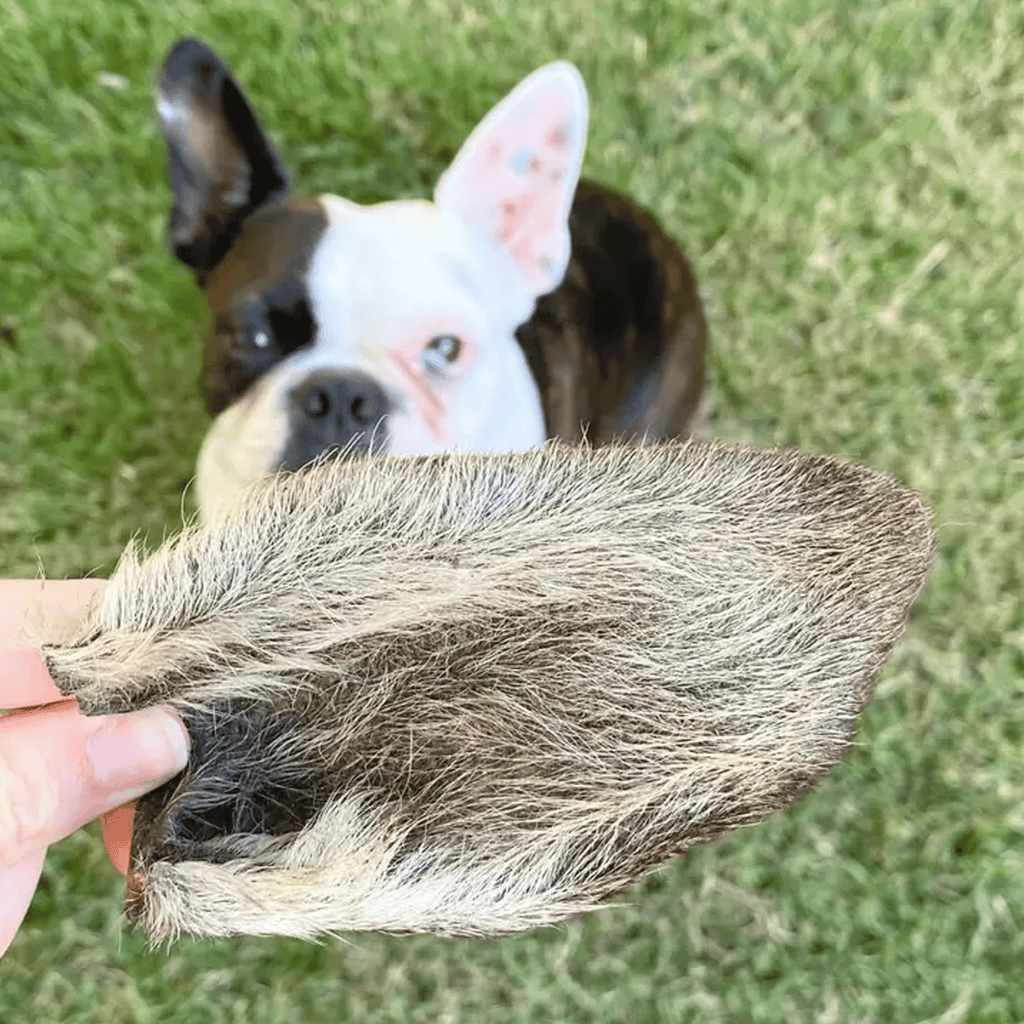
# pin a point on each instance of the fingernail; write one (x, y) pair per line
(138, 751)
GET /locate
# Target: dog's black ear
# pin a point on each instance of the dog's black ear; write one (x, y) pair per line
(221, 166)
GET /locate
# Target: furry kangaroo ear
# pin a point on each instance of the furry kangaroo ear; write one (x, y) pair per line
(515, 176)
(220, 164)
(520, 681)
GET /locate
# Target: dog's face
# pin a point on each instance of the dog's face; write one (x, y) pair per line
(387, 327)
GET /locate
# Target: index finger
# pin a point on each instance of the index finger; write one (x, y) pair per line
(26, 608)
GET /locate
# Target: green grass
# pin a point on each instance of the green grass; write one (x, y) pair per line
(849, 182)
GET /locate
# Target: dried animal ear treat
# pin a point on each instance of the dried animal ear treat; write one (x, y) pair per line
(473, 694)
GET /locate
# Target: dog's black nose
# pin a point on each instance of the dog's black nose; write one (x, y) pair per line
(333, 411)
(346, 404)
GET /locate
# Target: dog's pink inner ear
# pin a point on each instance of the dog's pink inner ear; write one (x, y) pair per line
(514, 178)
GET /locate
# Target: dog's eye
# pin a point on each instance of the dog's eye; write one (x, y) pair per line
(247, 340)
(259, 342)
(441, 352)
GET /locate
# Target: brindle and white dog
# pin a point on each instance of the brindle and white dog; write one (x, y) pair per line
(521, 304)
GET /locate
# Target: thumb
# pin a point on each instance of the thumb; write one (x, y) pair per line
(59, 770)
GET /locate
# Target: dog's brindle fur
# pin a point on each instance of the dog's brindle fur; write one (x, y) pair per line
(472, 694)
(618, 348)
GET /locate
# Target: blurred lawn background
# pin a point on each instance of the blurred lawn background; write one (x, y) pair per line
(848, 180)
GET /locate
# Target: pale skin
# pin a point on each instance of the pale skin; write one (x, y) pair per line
(58, 769)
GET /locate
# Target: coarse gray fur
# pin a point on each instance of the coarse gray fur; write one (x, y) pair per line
(473, 694)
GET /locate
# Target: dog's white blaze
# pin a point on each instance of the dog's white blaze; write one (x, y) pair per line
(388, 277)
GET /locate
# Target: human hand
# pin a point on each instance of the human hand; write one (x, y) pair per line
(59, 769)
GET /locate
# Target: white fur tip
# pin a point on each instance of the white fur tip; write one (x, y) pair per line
(172, 111)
